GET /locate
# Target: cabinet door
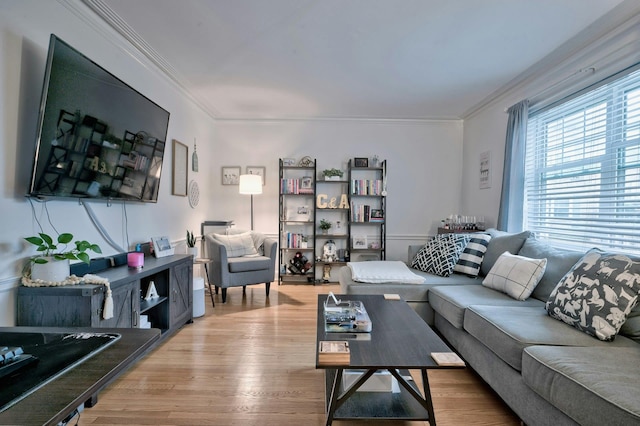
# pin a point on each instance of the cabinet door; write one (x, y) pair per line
(126, 301)
(180, 297)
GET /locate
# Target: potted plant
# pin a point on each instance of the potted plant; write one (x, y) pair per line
(52, 262)
(332, 174)
(325, 226)
(191, 244)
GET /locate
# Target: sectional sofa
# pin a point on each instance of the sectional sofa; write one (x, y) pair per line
(549, 370)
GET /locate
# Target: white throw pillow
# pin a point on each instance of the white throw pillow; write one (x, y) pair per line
(515, 275)
(237, 245)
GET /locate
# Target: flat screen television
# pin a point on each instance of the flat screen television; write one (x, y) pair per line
(97, 137)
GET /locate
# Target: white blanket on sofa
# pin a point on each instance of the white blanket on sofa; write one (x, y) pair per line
(383, 271)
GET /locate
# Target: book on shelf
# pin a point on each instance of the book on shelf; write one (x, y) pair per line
(334, 352)
(447, 359)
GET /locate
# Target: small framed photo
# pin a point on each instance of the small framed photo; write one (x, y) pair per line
(231, 175)
(257, 170)
(289, 162)
(360, 162)
(306, 182)
(359, 242)
(161, 246)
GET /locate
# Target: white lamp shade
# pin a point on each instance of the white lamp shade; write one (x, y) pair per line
(250, 184)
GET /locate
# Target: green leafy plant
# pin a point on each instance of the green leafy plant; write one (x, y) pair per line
(325, 225)
(191, 239)
(50, 248)
(332, 172)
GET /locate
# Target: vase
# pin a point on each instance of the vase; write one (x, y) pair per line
(193, 251)
(52, 271)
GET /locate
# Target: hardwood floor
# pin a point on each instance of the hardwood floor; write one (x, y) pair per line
(251, 361)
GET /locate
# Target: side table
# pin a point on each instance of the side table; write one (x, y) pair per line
(205, 262)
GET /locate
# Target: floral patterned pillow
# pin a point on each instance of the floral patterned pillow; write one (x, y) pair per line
(597, 294)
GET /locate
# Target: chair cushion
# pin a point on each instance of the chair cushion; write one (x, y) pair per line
(237, 245)
(515, 275)
(249, 263)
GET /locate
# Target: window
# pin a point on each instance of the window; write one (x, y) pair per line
(582, 169)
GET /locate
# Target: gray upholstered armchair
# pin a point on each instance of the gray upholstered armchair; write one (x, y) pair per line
(240, 258)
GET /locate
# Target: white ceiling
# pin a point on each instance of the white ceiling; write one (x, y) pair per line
(386, 59)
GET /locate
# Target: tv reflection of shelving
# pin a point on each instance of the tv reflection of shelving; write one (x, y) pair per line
(97, 137)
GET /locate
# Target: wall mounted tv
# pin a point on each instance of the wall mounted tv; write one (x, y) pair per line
(98, 138)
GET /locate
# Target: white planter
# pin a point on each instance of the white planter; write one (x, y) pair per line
(332, 178)
(193, 251)
(52, 271)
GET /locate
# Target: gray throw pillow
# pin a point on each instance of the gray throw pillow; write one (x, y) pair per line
(597, 294)
(500, 242)
(559, 262)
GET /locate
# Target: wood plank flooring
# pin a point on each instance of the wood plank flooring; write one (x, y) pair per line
(251, 361)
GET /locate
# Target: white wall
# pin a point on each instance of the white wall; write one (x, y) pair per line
(424, 171)
(424, 167)
(25, 26)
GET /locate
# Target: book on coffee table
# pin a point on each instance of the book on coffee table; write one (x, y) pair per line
(447, 359)
(333, 352)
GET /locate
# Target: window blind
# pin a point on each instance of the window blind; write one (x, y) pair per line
(582, 169)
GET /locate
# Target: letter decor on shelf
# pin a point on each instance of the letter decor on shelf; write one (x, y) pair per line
(323, 202)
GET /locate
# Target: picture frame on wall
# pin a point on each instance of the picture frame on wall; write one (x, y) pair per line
(257, 170)
(485, 170)
(180, 169)
(360, 162)
(230, 175)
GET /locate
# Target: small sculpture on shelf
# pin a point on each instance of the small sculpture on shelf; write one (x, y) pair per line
(299, 264)
(329, 252)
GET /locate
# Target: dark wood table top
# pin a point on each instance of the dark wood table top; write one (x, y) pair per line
(57, 399)
(399, 337)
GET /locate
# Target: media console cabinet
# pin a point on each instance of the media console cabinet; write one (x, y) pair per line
(82, 305)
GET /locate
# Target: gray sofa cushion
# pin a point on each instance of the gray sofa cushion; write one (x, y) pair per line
(559, 262)
(594, 386)
(501, 242)
(507, 330)
(451, 301)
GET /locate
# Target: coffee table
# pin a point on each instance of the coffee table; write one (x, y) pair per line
(399, 340)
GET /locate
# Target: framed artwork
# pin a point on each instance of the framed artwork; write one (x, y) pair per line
(257, 170)
(306, 182)
(360, 242)
(360, 162)
(485, 170)
(231, 175)
(180, 169)
(161, 246)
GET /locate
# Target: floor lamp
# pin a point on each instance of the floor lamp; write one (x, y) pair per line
(251, 184)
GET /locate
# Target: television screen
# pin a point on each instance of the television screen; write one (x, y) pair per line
(97, 137)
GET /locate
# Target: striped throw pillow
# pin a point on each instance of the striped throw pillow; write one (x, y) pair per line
(471, 258)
